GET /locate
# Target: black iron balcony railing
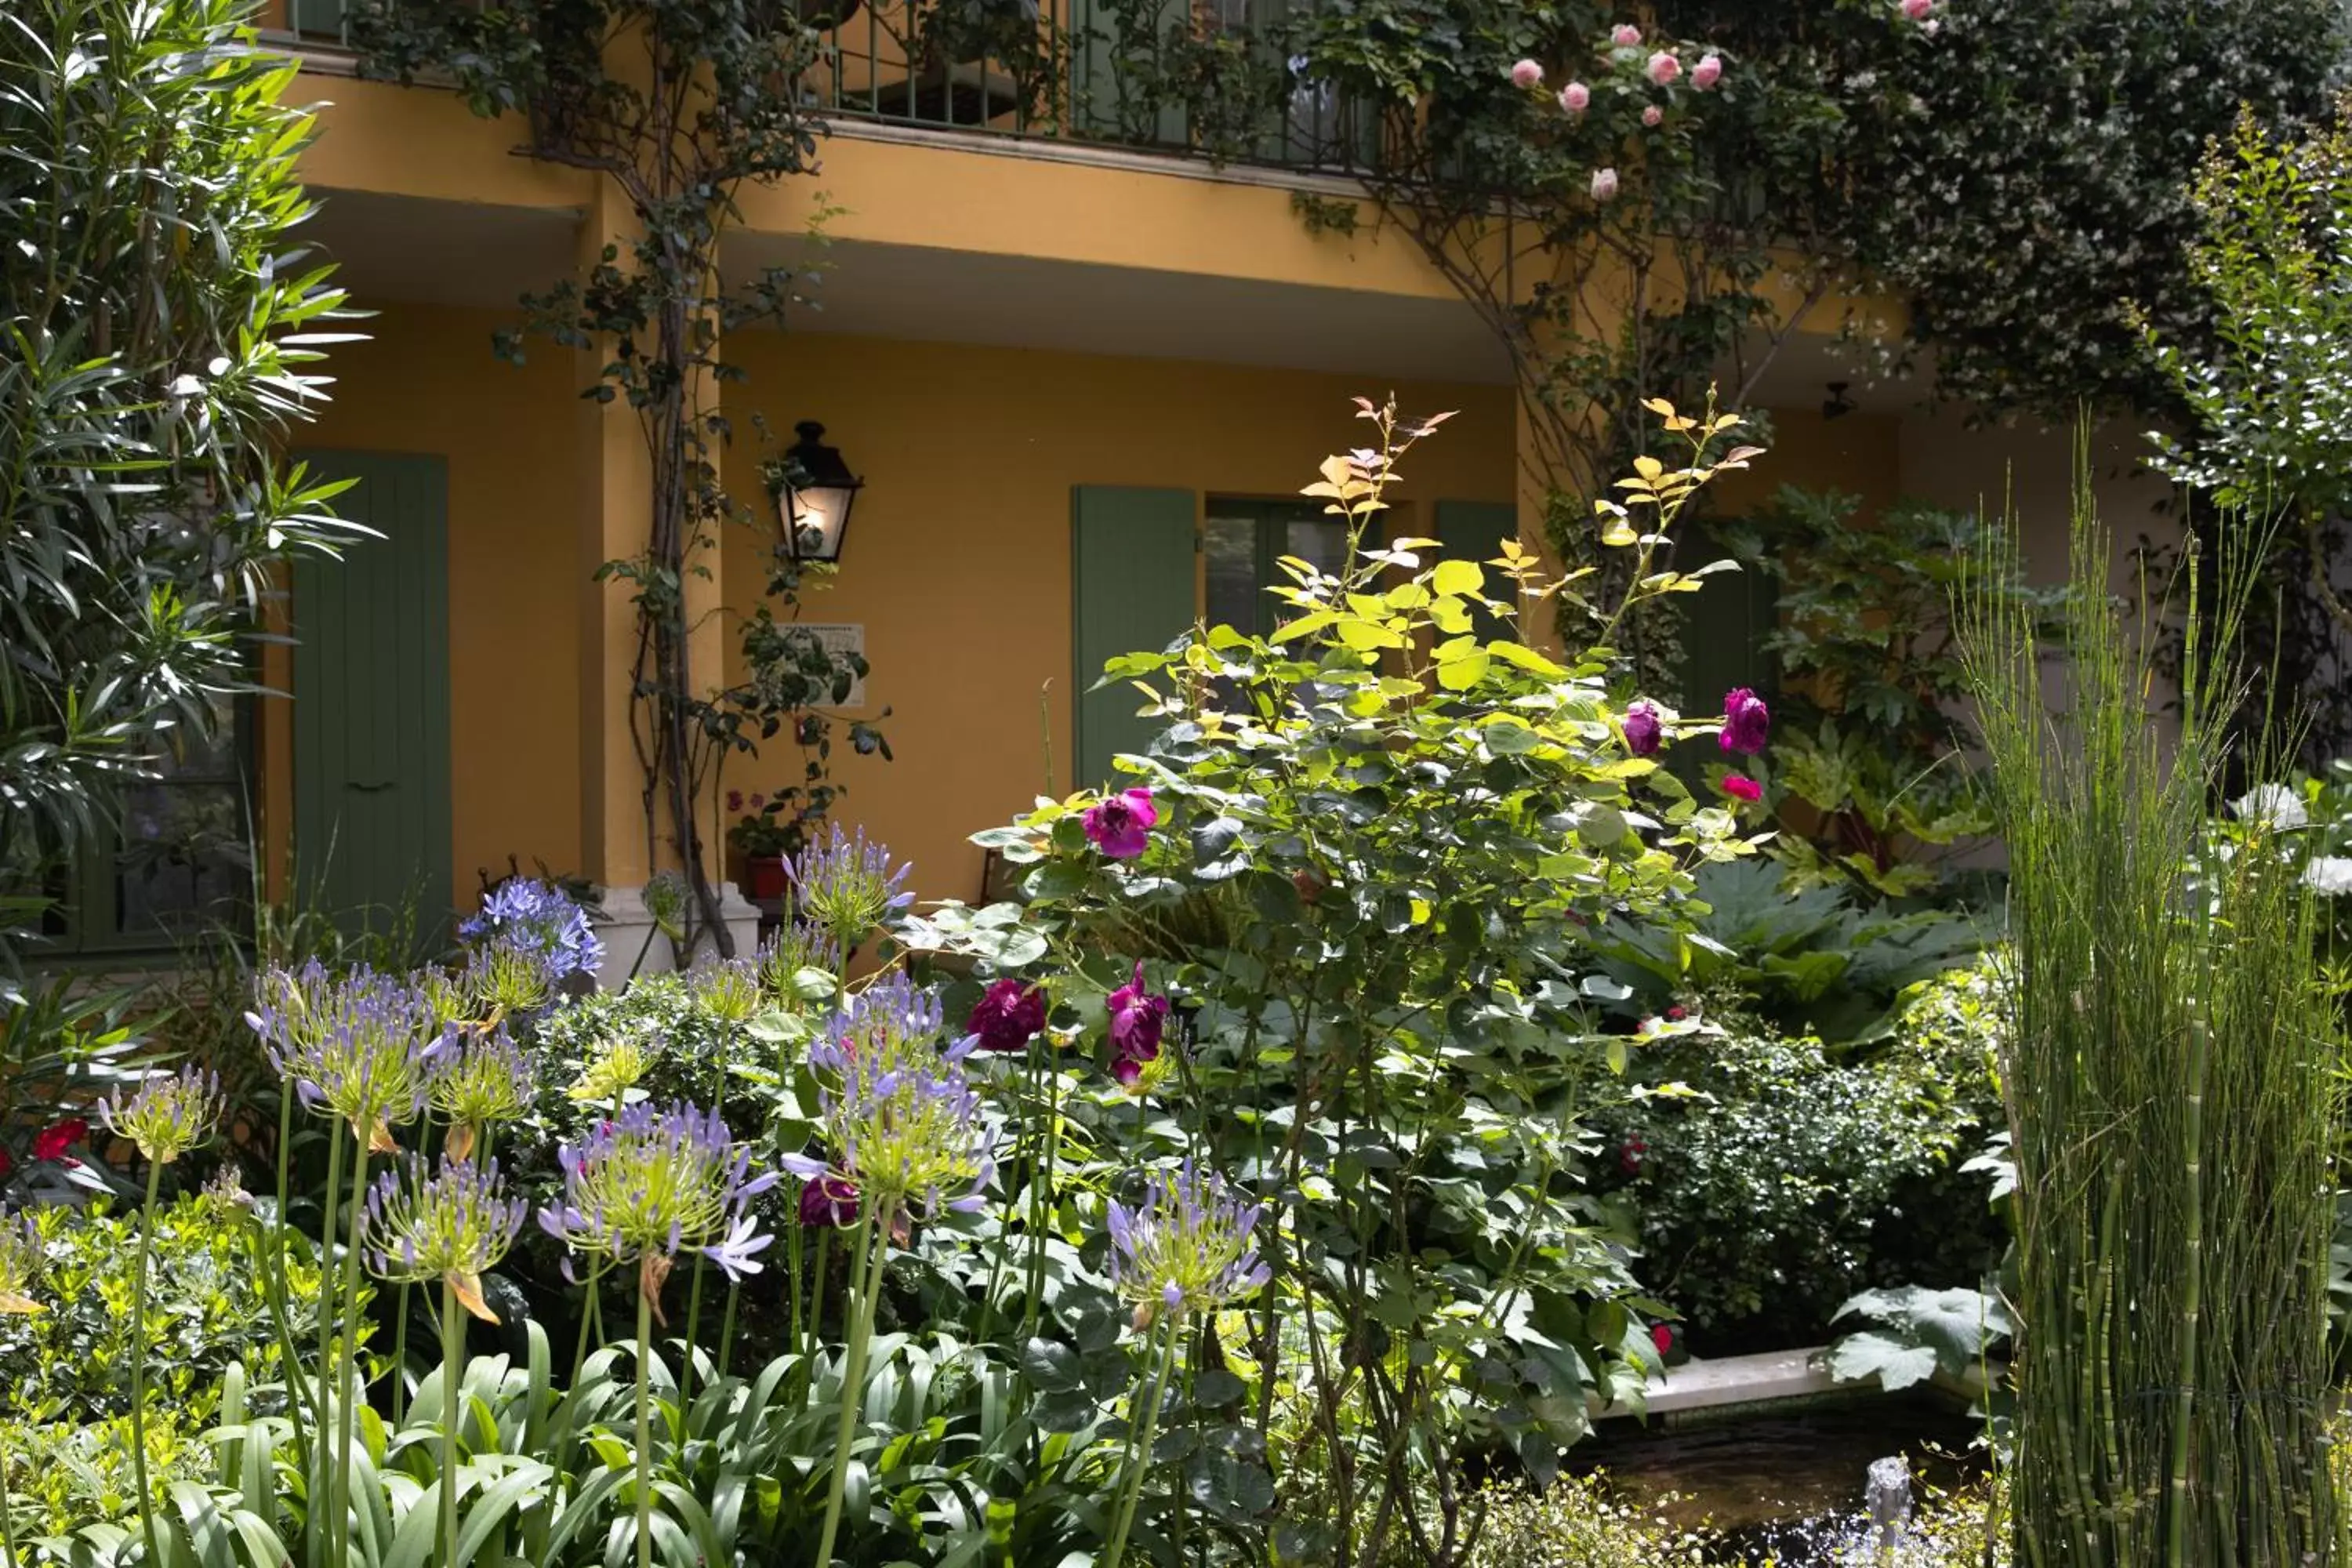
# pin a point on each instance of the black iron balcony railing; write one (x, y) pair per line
(1213, 79)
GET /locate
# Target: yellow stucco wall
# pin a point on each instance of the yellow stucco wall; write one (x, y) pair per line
(425, 381)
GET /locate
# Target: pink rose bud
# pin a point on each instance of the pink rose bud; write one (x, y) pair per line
(1917, 10)
(1604, 185)
(1663, 68)
(1526, 74)
(1707, 72)
(1653, 116)
(1575, 97)
(1625, 36)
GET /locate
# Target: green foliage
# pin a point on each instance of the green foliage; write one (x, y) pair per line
(2174, 1072)
(1867, 749)
(1816, 958)
(1387, 857)
(1920, 1333)
(1773, 1179)
(206, 1309)
(159, 321)
(1578, 1522)
(65, 1475)
(2269, 416)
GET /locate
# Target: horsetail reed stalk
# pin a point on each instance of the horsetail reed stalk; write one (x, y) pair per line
(2171, 1071)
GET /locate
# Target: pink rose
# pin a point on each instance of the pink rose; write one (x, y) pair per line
(1741, 786)
(1917, 10)
(1653, 116)
(1625, 36)
(1576, 98)
(1604, 185)
(1707, 72)
(1526, 74)
(1663, 68)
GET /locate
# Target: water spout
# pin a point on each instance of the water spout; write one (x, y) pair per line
(1886, 1497)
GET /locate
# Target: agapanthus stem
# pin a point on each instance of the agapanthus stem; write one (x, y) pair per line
(296, 1385)
(347, 1387)
(139, 1366)
(7, 1510)
(326, 1254)
(399, 1354)
(693, 1331)
(453, 1405)
(645, 1429)
(273, 1291)
(726, 1331)
(1138, 1444)
(873, 1248)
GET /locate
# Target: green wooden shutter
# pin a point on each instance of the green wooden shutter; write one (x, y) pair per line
(372, 702)
(1132, 577)
(1724, 627)
(1475, 530)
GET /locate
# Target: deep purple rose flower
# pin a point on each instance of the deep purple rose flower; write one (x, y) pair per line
(1746, 721)
(1120, 825)
(1008, 1015)
(1644, 728)
(829, 1201)
(1742, 787)
(1136, 1019)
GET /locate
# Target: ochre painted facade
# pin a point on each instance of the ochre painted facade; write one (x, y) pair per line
(958, 562)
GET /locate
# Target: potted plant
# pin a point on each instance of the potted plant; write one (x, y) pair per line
(763, 835)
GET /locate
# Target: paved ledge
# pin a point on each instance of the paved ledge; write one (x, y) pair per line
(1780, 1381)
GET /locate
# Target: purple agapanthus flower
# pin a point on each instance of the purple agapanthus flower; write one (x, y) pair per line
(1186, 1248)
(844, 886)
(1644, 728)
(363, 1045)
(449, 1223)
(908, 1129)
(1120, 825)
(652, 1184)
(1008, 1015)
(541, 920)
(1747, 722)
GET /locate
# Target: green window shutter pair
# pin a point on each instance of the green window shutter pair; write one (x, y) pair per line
(1133, 590)
(1725, 624)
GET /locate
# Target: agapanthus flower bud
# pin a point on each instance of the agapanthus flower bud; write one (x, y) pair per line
(1120, 825)
(1008, 1015)
(619, 1065)
(167, 1115)
(1186, 1248)
(361, 1046)
(796, 949)
(726, 990)
(846, 887)
(541, 920)
(1747, 722)
(907, 1127)
(449, 1226)
(484, 1081)
(1644, 728)
(503, 981)
(22, 1261)
(649, 1184)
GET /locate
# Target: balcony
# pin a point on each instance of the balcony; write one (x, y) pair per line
(1214, 80)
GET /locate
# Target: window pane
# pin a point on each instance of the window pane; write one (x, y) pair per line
(1234, 596)
(1320, 539)
(183, 866)
(217, 757)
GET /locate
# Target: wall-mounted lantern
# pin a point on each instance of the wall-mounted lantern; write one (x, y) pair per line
(813, 504)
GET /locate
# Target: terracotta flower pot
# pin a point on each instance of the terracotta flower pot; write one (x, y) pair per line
(767, 875)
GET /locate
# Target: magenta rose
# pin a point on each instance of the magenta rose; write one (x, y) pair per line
(1008, 1015)
(1136, 1020)
(829, 1201)
(1120, 825)
(1747, 722)
(1644, 728)
(1742, 786)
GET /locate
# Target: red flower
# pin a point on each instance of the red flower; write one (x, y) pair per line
(734, 800)
(1663, 1336)
(1676, 1013)
(1742, 786)
(1629, 1154)
(54, 1140)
